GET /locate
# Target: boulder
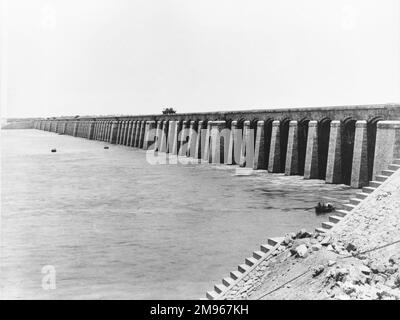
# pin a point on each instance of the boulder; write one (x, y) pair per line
(330, 248)
(331, 263)
(326, 241)
(301, 251)
(303, 234)
(395, 259)
(317, 270)
(351, 247)
(377, 267)
(288, 240)
(365, 270)
(348, 288)
(316, 247)
(391, 269)
(339, 274)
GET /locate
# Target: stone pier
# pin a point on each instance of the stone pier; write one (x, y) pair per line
(334, 164)
(275, 148)
(260, 156)
(247, 150)
(292, 153)
(359, 174)
(219, 139)
(149, 139)
(387, 145)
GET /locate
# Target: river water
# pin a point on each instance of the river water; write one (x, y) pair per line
(112, 226)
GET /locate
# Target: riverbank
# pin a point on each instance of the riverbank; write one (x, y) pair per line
(358, 259)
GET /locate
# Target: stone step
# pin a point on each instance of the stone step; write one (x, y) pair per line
(258, 254)
(368, 189)
(320, 230)
(394, 167)
(355, 201)
(387, 173)
(327, 225)
(243, 268)
(274, 241)
(396, 161)
(250, 261)
(348, 206)
(334, 219)
(228, 281)
(265, 248)
(374, 184)
(341, 213)
(380, 178)
(219, 288)
(235, 275)
(361, 195)
(212, 295)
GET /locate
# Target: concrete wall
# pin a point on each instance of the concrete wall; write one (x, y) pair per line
(333, 143)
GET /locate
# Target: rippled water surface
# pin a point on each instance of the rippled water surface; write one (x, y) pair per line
(114, 226)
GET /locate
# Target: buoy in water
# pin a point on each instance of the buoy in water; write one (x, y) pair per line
(53, 150)
(105, 147)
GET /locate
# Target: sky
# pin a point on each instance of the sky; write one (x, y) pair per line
(101, 57)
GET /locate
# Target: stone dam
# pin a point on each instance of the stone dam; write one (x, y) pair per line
(348, 144)
(354, 145)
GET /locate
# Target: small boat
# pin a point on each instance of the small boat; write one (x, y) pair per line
(105, 147)
(324, 208)
(53, 150)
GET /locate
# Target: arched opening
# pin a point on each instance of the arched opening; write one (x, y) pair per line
(371, 140)
(165, 129)
(302, 134)
(178, 133)
(240, 123)
(348, 133)
(253, 129)
(267, 139)
(185, 133)
(324, 130)
(284, 133)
